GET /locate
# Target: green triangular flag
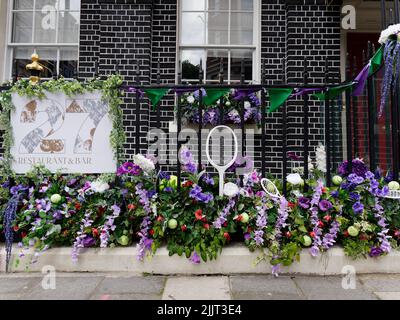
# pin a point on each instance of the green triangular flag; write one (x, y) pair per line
(376, 61)
(213, 95)
(333, 92)
(277, 97)
(155, 95)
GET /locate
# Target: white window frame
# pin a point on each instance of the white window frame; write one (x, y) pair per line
(256, 46)
(10, 45)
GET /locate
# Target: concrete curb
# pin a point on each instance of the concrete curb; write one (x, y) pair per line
(235, 259)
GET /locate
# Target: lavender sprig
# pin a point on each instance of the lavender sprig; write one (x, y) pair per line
(79, 241)
(145, 242)
(223, 217)
(317, 242)
(109, 226)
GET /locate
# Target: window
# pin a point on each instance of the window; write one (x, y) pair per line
(211, 30)
(49, 27)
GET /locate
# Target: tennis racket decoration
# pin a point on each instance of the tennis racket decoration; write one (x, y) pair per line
(270, 189)
(224, 132)
(393, 194)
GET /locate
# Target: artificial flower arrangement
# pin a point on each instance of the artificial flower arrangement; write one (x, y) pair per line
(122, 209)
(231, 108)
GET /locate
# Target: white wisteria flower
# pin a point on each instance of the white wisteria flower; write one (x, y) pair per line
(231, 190)
(294, 179)
(190, 99)
(320, 154)
(391, 30)
(145, 164)
(247, 105)
(99, 186)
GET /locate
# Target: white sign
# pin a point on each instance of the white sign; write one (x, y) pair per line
(62, 133)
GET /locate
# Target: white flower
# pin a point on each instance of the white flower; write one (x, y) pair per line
(294, 179)
(321, 158)
(231, 190)
(391, 30)
(190, 99)
(310, 164)
(99, 186)
(247, 105)
(145, 164)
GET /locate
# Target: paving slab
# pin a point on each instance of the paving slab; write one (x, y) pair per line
(67, 288)
(197, 288)
(127, 296)
(388, 295)
(330, 288)
(264, 288)
(131, 285)
(381, 283)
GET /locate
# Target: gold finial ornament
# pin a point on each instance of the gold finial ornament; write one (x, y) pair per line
(35, 69)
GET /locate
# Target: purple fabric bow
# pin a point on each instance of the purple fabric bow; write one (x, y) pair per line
(361, 80)
(135, 90)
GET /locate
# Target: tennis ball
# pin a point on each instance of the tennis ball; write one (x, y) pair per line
(172, 224)
(55, 198)
(337, 180)
(353, 231)
(394, 185)
(307, 241)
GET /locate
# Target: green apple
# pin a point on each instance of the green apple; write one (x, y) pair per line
(337, 180)
(394, 185)
(172, 224)
(55, 198)
(307, 241)
(353, 231)
(245, 218)
(228, 103)
(123, 240)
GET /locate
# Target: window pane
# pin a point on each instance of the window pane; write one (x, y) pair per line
(242, 28)
(218, 4)
(193, 28)
(73, 5)
(213, 64)
(218, 28)
(22, 27)
(68, 24)
(191, 64)
(45, 27)
(246, 5)
(40, 4)
(68, 62)
(236, 61)
(190, 5)
(23, 4)
(48, 58)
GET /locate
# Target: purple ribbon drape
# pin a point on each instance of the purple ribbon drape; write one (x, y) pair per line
(244, 93)
(135, 90)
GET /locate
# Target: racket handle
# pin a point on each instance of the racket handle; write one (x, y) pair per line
(221, 184)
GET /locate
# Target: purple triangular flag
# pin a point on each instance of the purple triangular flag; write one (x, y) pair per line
(360, 80)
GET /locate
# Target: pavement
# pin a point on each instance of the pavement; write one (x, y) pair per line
(115, 286)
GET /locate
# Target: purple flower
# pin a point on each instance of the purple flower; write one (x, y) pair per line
(355, 179)
(164, 175)
(304, 202)
(197, 194)
(129, 168)
(325, 205)
(168, 189)
(195, 258)
(16, 189)
(247, 236)
(389, 177)
(358, 208)
(355, 197)
(88, 242)
(335, 194)
(375, 252)
(208, 180)
(358, 167)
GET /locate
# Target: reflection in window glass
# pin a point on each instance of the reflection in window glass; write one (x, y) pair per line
(68, 61)
(48, 58)
(22, 27)
(40, 4)
(236, 64)
(193, 27)
(218, 23)
(45, 27)
(68, 27)
(242, 28)
(190, 60)
(213, 64)
(244, 5)
(190, 5)
(218, 4)
(23, 4)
